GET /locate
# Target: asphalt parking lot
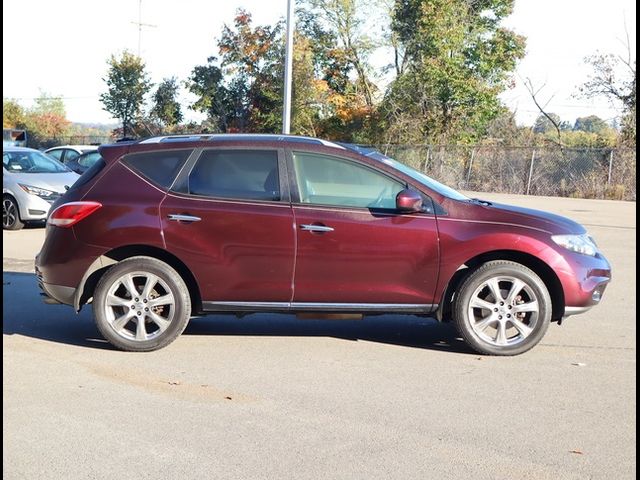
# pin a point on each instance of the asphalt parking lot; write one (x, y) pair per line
(271, 396)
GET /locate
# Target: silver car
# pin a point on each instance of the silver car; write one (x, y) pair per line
(31, 182)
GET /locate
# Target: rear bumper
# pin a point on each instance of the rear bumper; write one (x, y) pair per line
(55, 294)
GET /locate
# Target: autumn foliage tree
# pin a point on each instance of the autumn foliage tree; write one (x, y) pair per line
(242, 90)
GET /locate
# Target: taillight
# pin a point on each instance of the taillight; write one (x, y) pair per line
(71, 213)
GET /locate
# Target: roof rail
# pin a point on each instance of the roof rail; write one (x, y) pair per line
(238, 136)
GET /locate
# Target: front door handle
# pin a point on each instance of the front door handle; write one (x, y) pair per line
(316, 228)
(177, 217)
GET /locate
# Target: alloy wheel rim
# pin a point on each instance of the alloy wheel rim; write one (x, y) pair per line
(504, 311)
(9, 213)
(139, 306)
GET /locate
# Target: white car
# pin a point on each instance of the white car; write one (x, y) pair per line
(31, 182)
(66, 153)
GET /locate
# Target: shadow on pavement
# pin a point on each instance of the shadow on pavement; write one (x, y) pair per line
(24, 313)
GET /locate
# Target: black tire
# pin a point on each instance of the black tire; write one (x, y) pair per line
(531, 325)
(169, 283)
(11, 214)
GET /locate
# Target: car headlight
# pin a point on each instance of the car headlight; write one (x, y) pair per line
(40, 192)
(583, 244)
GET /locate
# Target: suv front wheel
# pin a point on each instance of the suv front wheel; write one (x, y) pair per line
(141, 304)
(502, 308)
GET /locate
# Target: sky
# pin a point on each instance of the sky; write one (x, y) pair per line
(61, 47)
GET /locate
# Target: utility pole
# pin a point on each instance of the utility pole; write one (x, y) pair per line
(140, 25)
(288, 67)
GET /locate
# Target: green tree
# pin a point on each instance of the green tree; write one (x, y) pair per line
(166, 109)
(206, 82)
(12, 113)
(127, 84)
(591, 124)
(345, 19)
(458, 58)
(544, 124)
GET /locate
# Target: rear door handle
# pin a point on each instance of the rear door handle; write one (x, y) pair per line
(177, 217)
(316, 228)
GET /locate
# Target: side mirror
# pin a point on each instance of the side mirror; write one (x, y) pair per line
(409, 201)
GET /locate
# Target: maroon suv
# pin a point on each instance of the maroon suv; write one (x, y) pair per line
(167, 228)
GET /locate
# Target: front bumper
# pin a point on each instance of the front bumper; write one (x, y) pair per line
(584, 280)
(32, 207)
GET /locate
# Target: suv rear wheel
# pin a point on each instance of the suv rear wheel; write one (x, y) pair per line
(141, 304)
(502, 308)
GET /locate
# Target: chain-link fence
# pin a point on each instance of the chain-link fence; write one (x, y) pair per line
(42, 143)
(568, 172)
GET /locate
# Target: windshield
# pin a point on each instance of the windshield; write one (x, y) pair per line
(407, 170)
(26, 161)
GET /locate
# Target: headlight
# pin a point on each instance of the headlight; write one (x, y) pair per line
(577, 243)
(40, 192)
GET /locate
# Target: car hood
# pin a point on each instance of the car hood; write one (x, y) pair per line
(525, 217)
(55, 182)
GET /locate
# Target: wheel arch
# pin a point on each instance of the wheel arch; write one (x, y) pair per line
(98, 268)
(542, 269)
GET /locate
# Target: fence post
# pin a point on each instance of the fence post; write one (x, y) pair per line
(610, 167)
(533, 157)
(473, 153)
(426, 160)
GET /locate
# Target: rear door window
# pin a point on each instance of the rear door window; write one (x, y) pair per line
(159, 167)
(70, 155)
(57, 154)
(239, 174)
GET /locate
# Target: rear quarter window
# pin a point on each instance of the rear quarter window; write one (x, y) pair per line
(160, 167)
(89, 174)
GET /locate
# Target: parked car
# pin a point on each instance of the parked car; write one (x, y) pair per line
(31, 182)
(68, 153)
(82, 163)
(159, 230)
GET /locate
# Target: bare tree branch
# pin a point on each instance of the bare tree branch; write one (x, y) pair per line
(533, 93)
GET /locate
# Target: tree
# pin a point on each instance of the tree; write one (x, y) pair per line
(345, 18)
(546, 123)
(166, 108)
(45, 121)
(12, 113)
(243, 90)
(207, 84)
(458, 58)
(591, 124)
(127, 84)
(614, 77)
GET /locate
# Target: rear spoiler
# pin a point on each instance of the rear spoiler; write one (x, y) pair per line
(113, 151)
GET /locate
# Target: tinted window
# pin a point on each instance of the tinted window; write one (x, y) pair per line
(331, 181)
(89, 174)
(70, 155)
(159, 167)
(88, 159)
(244, 174)
(57, 154)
